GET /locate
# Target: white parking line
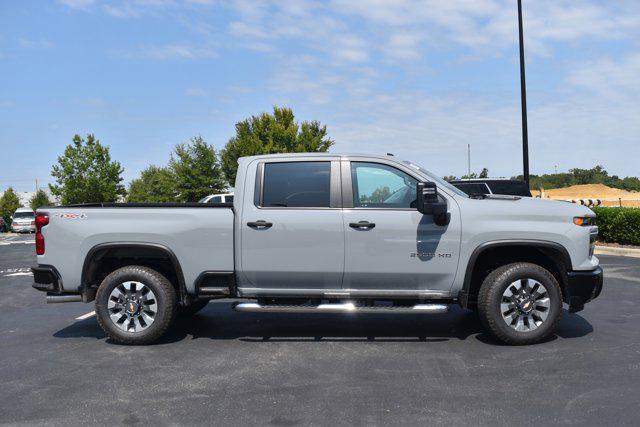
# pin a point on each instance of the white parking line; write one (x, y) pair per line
(86, 316)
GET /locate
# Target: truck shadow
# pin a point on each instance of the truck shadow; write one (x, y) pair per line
(219, 322)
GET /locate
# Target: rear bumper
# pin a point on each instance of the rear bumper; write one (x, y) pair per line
(46, 279)
(582, 287)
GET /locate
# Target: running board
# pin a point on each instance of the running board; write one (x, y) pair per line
(347, 307)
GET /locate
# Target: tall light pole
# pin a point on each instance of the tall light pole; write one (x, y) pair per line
(523, 98)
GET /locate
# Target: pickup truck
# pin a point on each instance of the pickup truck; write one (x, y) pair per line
(324, 233)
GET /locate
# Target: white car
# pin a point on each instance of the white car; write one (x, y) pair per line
(23, 221)
(217, 198)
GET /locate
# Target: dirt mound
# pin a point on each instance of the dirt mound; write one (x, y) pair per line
(599, 191)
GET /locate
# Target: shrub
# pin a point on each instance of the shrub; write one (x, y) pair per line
(619, 225)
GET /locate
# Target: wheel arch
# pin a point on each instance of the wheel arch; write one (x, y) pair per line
(490, 255)
(103, 258)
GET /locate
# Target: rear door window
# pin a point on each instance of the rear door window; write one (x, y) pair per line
(297, 185)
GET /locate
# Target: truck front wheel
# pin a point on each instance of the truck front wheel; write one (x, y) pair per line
(135, 305)
(520, 303)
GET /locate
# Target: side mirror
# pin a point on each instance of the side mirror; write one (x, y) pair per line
(428, 203)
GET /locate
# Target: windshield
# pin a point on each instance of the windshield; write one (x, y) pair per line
(438, 180)
(22, 215)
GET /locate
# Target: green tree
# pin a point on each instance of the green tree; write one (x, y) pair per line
(378, 195)
(196, 170)
(40, 199)
(155, 185)
(9, 202)
(484, 173)
(272, 133)
(85, 173)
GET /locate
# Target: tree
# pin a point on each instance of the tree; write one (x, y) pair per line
(155, 185)
(9, 202)
(272, 133)
(484, 173)
(39, 200)
(196, 170)
(85, 173)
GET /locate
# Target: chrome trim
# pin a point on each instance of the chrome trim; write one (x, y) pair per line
(346, 307)
(63, 298)
(345, 293)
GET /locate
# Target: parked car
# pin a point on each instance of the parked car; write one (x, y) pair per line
(3, 225)
(217, 198)
(480, 186)
(324, 233)
(23, 221)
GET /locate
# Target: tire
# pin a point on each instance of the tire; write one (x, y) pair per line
(191, 309)
(144, 289)
(516, 316)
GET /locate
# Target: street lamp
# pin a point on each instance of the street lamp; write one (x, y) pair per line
(523, 98)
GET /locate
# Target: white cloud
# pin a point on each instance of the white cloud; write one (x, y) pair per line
(169, 52)
(196, 92)
(77, 4)
(34, 44)
(608, 76)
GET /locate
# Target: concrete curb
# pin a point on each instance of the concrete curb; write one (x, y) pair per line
(610, 250)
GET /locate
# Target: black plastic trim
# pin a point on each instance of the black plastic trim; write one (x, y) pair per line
(231, 280)
(582, 287)
(142, 245)
(463, 296)
(46, 279)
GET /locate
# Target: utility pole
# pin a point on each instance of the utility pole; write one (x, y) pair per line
(468, 161)
(523, 97)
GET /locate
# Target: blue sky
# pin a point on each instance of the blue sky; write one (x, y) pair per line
(420, 79)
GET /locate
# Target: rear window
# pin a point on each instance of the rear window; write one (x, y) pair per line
(296, 185)
(229, 199)
(215, 199)
(24, 215)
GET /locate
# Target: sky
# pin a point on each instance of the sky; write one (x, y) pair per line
(420, 79)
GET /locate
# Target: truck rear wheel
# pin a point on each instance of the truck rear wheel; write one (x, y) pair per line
(520, 303)
(135, 305)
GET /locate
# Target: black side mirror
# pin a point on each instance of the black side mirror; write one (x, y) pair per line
(429, 203)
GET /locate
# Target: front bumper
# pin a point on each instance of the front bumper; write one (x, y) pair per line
(582, 287)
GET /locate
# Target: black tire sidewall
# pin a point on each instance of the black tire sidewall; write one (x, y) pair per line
(491, 299)
(165, 299)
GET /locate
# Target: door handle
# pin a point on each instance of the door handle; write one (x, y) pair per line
(362, 225)
(259, 224)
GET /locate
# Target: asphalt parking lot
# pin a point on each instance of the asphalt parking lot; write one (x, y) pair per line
(223, 367)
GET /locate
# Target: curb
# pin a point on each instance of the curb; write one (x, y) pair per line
(609, 250)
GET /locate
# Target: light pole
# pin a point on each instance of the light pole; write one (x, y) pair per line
(523, 98)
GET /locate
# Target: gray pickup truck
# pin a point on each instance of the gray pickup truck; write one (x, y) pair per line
(324, 233)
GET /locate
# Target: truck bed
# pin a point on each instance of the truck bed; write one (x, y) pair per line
(200, 235)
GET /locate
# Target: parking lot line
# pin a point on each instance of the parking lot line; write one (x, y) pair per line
(86, 316)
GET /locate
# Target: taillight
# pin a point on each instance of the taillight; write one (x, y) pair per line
(41, 221)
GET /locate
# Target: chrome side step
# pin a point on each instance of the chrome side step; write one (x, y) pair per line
(346, 307)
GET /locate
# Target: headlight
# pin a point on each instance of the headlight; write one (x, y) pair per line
(584, 221)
